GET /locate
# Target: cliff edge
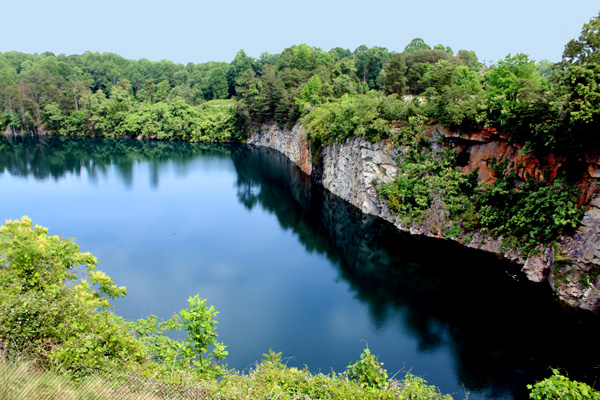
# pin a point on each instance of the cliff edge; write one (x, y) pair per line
(352, 170)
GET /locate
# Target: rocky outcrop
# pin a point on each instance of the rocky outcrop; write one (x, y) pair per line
(291, 143)
(350, 170)
(353, 169)
(575, 275)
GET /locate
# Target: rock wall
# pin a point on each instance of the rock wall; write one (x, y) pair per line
(351, 170)
(291, 143)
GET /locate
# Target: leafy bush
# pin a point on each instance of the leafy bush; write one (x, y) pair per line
(428, 188)
(368, 372)
(50, 314)
(369, 115)
(560, 387)
(533, 213)
(213, 121)
(200, 352)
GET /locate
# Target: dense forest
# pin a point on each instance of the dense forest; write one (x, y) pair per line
(374, 93)
(54, 304)
(551, 107)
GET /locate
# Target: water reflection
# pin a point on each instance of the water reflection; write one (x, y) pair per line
(504, 331)
(501, 332)
(53, 157)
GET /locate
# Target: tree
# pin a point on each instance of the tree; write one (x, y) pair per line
(339, 53)
(585, 49)
(545, 68)
(195, 352)
(418, 62)
(310, 92)
(469, 58)
(217, 84)
(395, 77)
(511, 75)
(199, 322)
(513, 87)
(162, 91)
(31, 260)
(369, 63)
(298, 57)
(416, 44)
(441, 47)
(238, 67)
(577, 86)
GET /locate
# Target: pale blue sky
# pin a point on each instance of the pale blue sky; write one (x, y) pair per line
(200, 31)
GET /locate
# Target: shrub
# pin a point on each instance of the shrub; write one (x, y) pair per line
(560, 387)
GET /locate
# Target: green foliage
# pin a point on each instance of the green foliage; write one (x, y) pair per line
(395, 75)
(418, 61)
(470, 220)
(162, 350)
(214, 121)
(565, 121)
(200, 352)
(273, 379)
(469, 59)
(415, 45)
(453, 94)
(369, 116)
(31, 260)
(513, 87)
(199, 322)
(217, 84)
(340, 94)
(369, 64)
(310, 91)
(560, 387)
(533, 213)
(368, 372)
(585, 49)
(428, 189)
(48, 312)
(49, 315)
(453, 232)
(269, 379)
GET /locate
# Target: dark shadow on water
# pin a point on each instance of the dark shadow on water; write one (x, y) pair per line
(503, 331)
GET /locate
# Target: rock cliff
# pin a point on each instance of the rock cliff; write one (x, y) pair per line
(351, 170)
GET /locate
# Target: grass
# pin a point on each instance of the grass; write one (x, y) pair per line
(270, 379)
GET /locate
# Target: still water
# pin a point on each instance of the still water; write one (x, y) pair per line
(290, 266)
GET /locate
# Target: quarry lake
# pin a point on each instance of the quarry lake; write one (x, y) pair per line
(291, 267)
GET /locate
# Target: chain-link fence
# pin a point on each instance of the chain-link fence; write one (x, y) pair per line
(22, 379)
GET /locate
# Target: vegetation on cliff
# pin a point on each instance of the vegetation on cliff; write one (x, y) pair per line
(547, 107)
(374, 93)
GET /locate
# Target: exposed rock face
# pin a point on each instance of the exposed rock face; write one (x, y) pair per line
(349, 170)
(576, 279)
(291, 143)
(352, 170)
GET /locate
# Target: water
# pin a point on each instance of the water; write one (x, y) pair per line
(290, 266)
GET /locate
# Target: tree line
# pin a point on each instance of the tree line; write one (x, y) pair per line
(545, 108)
(543, 105)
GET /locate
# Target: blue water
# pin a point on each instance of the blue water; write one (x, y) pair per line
(290, 266)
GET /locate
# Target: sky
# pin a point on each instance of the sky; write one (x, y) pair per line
(199, 31)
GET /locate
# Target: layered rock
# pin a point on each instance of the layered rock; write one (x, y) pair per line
(353, 169)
